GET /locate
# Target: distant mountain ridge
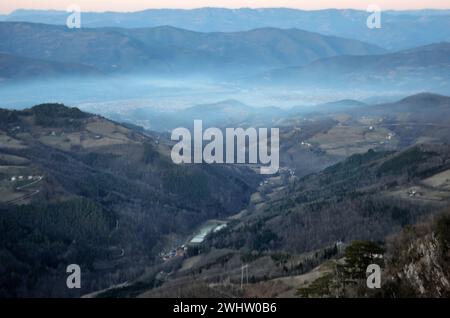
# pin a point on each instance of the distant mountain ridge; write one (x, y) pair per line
(400, 29)
(220, 114)
(171, 50)
(403, 69)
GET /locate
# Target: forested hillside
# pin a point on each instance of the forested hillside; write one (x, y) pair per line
(77, 188)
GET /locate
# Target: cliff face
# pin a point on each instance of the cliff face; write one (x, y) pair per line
(419, 262)
(424, 271)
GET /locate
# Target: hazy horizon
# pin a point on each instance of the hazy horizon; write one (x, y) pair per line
(120, 6)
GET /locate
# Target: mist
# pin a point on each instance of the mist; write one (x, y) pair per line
(155, 102)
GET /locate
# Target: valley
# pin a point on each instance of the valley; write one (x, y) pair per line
(215, 267)
(72, 156)
(225, 153)
(284, 227)
(294, 232)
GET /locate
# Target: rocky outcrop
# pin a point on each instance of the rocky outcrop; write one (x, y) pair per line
(419, 262)
(424, 270)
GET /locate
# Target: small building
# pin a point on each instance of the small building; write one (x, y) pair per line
(305, 144)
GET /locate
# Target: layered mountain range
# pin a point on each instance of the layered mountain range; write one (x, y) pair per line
(169, 51)
(400, 29)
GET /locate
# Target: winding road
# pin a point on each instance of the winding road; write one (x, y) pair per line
(26, 195)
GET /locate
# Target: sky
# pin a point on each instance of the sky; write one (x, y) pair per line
(6, 6)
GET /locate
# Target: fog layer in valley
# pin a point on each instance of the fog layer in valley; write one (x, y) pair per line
(129, 98)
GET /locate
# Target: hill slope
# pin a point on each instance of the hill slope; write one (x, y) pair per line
(77, 188)
(18, 67)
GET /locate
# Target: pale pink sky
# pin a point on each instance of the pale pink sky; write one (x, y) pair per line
(7, 6)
